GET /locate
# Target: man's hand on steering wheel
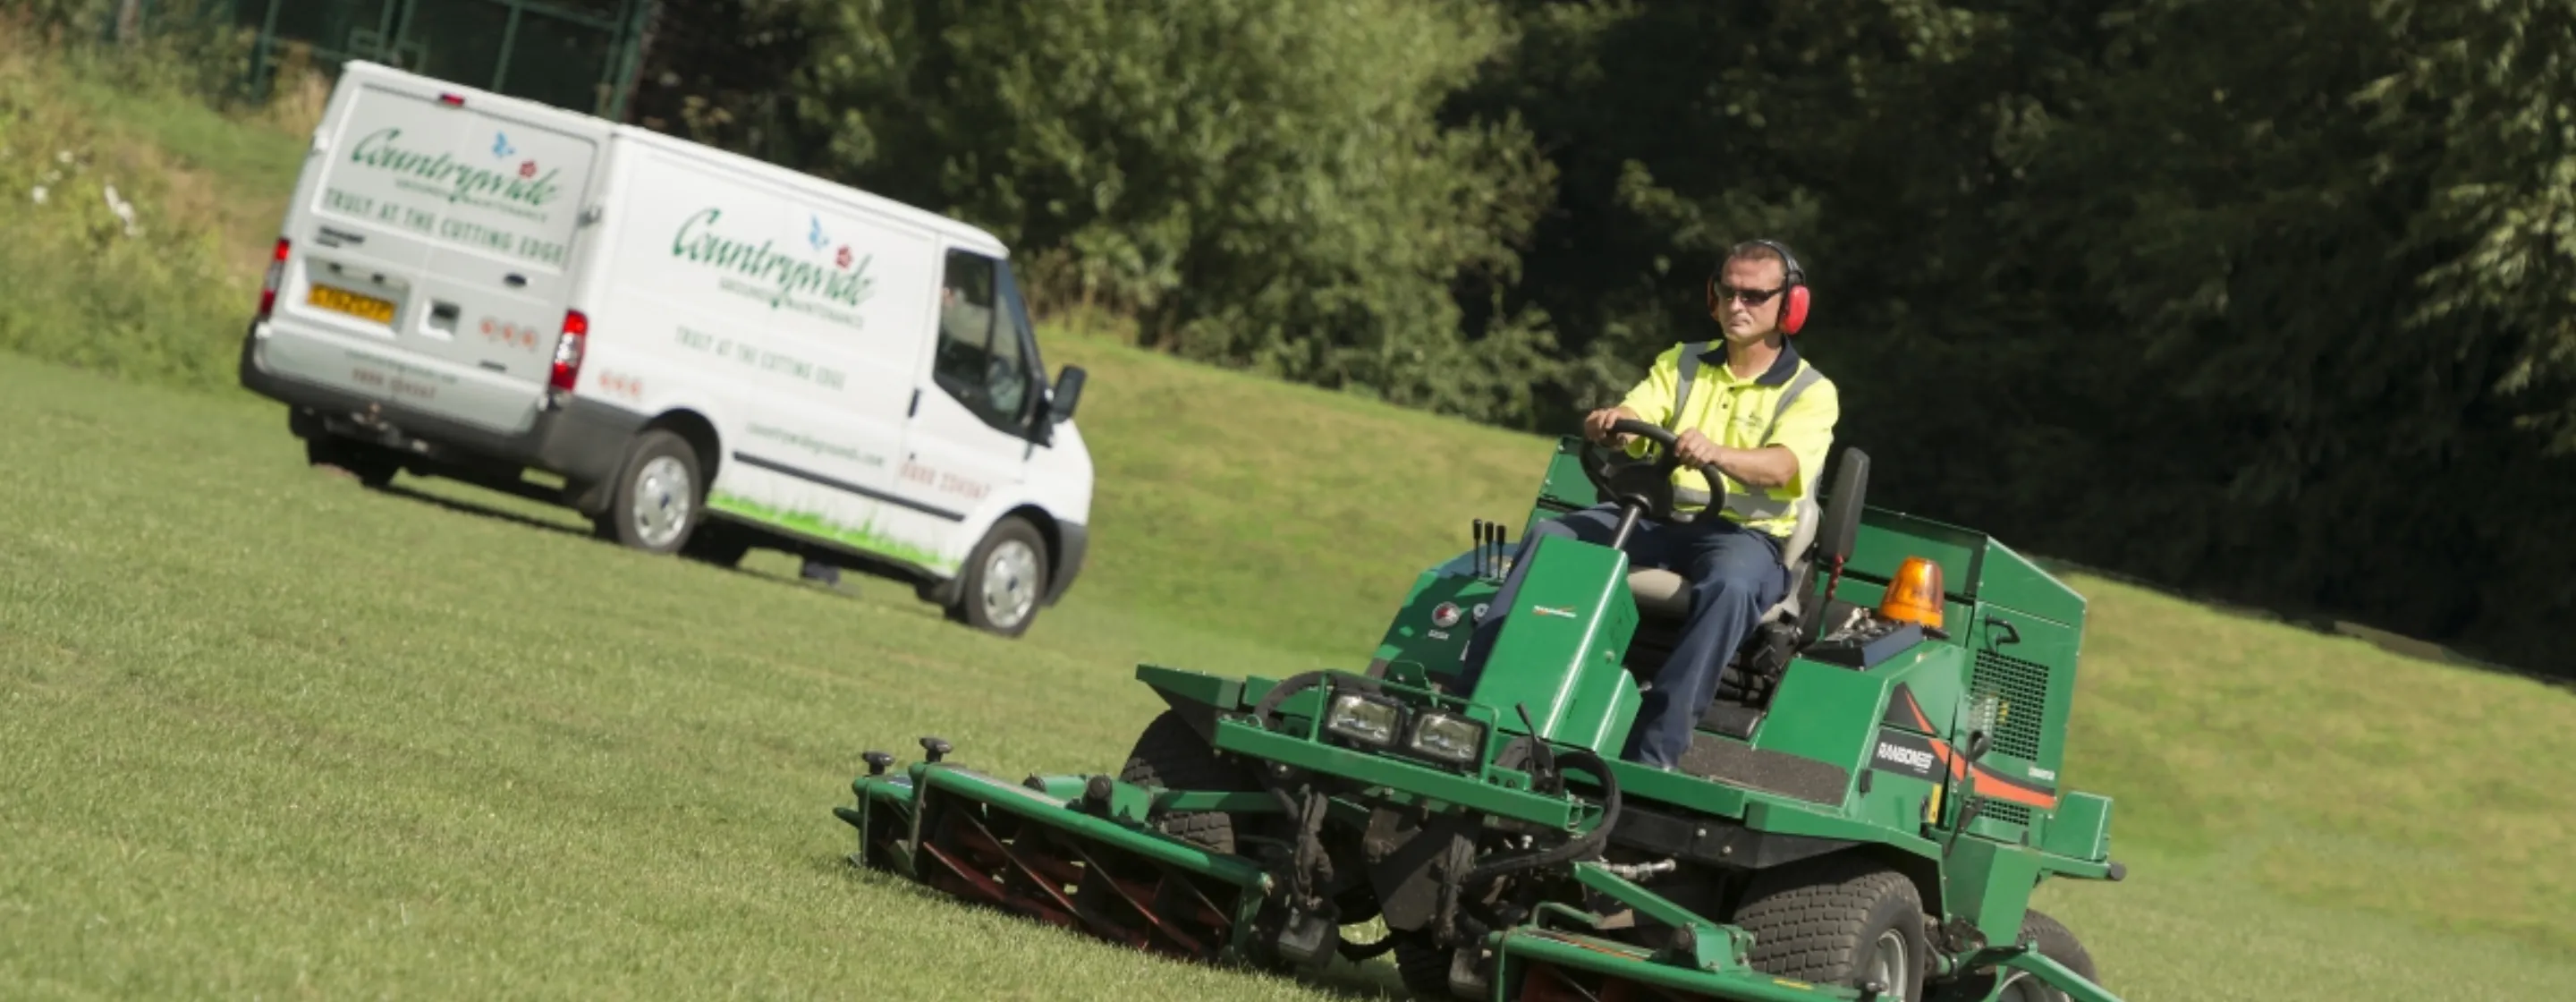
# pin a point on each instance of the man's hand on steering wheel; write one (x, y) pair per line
(1695, 450)
(1615, 478)
(1596, 426)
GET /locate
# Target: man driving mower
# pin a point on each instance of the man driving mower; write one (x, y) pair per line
(1760, 417)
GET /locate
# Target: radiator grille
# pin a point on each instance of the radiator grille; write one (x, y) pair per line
(2023, 687)
(1988, 807)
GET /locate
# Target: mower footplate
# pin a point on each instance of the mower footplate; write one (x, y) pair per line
(1546, 965)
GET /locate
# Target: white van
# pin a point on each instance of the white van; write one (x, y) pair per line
(711, 352)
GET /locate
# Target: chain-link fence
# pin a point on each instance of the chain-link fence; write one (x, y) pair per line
(578, 54)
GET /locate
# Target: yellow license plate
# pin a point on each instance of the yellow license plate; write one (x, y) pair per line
(351, 303)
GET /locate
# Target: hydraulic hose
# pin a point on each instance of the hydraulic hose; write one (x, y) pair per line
(1280, 693)
(1261, 711)
(1578, 847)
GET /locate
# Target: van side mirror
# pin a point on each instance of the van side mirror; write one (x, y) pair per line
(1068, 393)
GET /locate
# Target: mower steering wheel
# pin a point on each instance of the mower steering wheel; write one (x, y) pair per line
(1644, 484)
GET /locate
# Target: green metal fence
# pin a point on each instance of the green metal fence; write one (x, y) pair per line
(578, 54)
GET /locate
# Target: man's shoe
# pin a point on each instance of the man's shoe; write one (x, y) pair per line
(828, 575)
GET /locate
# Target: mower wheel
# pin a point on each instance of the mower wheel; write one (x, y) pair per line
(1838, 920)
(2055, 943)
(1172, 756)
(1422, 964)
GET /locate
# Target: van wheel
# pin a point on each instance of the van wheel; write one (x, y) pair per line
(656, 503)
(1004, 579)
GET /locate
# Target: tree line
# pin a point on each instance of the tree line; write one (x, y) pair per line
(2270, 302)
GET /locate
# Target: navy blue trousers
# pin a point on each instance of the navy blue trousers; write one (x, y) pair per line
(1735, 575)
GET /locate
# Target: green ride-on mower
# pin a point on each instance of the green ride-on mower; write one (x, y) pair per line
(1864, 812)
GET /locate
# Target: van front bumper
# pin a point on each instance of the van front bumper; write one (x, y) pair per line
(582, 441)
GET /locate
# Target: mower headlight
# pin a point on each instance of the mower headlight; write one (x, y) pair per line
(1449, 739)
(1364, 718)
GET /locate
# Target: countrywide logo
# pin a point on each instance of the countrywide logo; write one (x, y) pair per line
(781, 277)
(457, 180)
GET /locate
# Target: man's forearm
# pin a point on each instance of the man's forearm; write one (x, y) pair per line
(1763, 468)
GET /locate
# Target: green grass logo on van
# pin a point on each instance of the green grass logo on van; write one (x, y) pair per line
(446, 177)
(812, 285)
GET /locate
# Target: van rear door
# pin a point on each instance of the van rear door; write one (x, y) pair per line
(432, 265)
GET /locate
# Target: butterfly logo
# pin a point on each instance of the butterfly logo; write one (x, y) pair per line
(501, 146)
(815, 236)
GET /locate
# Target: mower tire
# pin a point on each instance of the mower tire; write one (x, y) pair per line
(1422, 964)
(1171, 755)
(1838, 920)
(2055, 943)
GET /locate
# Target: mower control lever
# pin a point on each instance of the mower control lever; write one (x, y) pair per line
(878, 762)
(936, 748)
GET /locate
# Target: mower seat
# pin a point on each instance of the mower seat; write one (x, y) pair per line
(1664, 596)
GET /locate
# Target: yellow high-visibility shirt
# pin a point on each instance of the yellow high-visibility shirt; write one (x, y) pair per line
(1744, 414)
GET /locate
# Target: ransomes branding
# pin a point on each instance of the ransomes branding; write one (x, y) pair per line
(783, 279)
(1919, 761)
(518, 191)
(1905, 753)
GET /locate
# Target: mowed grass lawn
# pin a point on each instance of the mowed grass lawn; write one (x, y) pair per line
(265, 733)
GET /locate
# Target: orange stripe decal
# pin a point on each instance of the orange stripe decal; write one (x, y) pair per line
(2005, 789)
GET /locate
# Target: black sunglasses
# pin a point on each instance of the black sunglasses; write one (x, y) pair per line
(1749, 297)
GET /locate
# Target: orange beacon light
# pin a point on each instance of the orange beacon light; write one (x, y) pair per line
(1915, 595)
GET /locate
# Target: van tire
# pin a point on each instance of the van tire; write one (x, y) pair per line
(661, 477)
(1008, 570)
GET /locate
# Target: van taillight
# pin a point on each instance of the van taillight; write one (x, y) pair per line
(276, 277)
(576, 328)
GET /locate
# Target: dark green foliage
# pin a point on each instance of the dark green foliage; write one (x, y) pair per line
(720, 72)
(1259, 183)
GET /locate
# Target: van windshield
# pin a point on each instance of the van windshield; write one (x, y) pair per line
(1027, 331)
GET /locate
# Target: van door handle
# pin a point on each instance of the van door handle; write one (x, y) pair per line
(515, 281)
(443, 316)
